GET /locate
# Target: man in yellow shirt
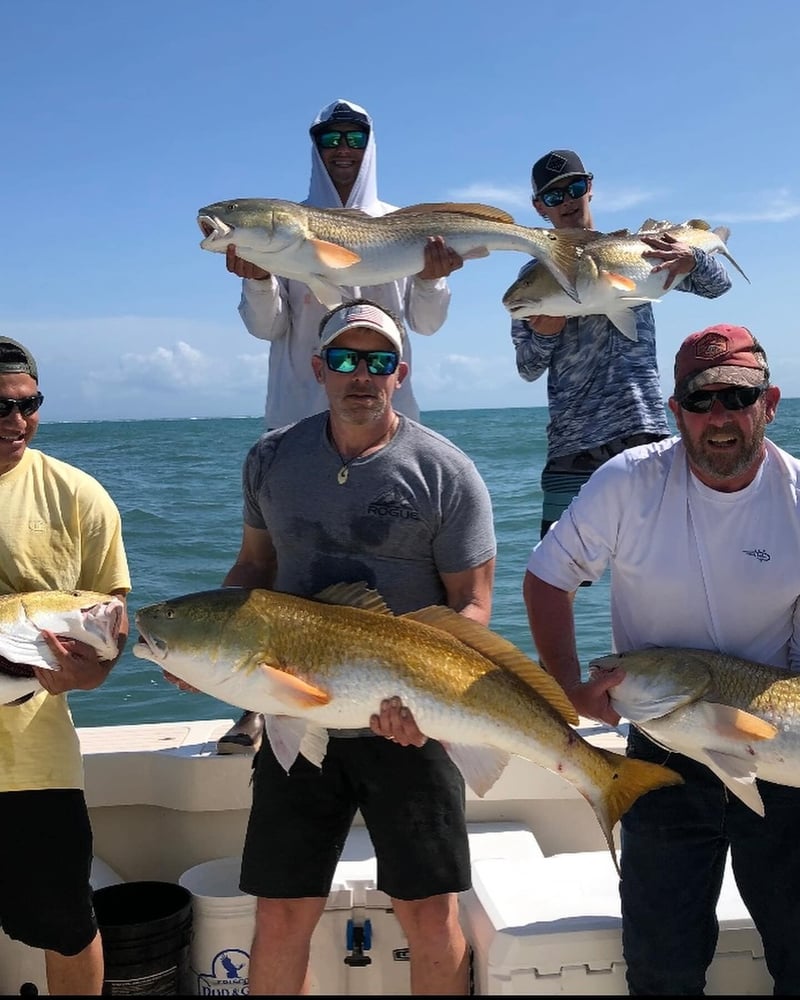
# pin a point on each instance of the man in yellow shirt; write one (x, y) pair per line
(59, 530)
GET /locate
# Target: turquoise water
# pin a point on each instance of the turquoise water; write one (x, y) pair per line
(177, 485)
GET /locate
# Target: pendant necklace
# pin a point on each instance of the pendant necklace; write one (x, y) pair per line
(344, 471)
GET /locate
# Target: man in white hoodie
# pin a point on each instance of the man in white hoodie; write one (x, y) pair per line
(288, 314)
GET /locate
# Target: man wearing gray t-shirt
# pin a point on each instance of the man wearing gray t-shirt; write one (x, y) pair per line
(362, 493)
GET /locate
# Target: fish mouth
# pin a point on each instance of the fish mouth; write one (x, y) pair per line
(521, 310)
(149, 647)
(213, 228)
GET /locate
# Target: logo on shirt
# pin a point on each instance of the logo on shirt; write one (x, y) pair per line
(392, 503)
(761, 554)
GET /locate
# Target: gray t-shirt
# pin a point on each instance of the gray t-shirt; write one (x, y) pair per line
(407, 513)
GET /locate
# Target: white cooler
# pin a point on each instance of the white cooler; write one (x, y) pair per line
(553, 926)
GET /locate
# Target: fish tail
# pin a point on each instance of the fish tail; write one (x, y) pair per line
(626, 780)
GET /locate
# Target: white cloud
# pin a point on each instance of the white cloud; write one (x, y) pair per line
(779, 208)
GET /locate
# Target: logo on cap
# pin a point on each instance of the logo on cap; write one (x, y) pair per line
(713, 345)
(555, 164)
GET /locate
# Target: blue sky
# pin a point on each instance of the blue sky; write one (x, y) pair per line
(121, 119)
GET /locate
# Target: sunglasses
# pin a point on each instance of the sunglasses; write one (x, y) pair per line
(345, 360)
(737, 397)
(27, 406)
(330, 140)
(575, 189)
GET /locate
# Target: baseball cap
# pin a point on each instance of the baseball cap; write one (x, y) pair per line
(557, 165)
(16, 359)
(339, 111)
(360, 314)
(729, 355)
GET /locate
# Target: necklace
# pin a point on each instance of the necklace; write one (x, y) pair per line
(344, 471)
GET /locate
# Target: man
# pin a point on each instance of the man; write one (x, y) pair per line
(701, 533)
(287, 313)
(603, 390)
(361, 492)
(59, 530)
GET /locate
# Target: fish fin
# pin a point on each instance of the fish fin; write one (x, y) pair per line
(314, 745)
(461, 208)
(625, 321)
(722, 232)
(625, 780)
(475, 253)
(737, 774)
(329, 295)
(289, 736)
(292, 690)
(736, 724)
(332, 254)
(620, 233)
(354, 595)
(697, 224)
(653, 225)
(617, 281)
(480, 766)
(500, 651)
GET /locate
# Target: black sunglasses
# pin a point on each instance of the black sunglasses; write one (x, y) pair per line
(737, 397)
(345, 360)
(27, 406)
(356, 139)
(575, 189)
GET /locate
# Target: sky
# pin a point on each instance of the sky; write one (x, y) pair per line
(121, 119)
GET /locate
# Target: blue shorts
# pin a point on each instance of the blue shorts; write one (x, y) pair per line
(45, 869)
(412, 802)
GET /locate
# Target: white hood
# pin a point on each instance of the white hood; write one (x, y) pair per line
(322, 193)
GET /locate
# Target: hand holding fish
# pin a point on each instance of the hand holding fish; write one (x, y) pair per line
(79, 666)
(243, 268)
(591, 698)
(547, 326)
(440, 260)
(677, 258)
(396, 722)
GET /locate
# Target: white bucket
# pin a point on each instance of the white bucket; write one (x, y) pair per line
(223, 922)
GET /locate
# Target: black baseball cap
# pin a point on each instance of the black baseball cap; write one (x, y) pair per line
(557, 165)
(339, 111)
(16, 359)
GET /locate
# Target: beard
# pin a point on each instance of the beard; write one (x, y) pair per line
(732, 461)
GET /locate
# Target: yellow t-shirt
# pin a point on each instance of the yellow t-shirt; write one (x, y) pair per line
(59, 530)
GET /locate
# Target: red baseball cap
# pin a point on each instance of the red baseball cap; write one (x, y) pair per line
(729, 355)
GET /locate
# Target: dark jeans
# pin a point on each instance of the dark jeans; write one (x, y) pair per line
(674, 845)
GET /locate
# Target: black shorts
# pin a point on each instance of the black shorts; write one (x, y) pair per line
(45, 869)
(412, 802)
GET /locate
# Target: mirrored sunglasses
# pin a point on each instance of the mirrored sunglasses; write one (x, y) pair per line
(736, 397)
(27, 406)
(356, 139)
(345, 360)
(575, 189)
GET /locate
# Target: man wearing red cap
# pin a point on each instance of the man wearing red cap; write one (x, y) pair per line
(701, 533)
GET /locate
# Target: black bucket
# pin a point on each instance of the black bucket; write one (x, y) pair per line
(147, 932)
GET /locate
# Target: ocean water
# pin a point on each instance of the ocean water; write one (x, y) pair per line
(177, 485)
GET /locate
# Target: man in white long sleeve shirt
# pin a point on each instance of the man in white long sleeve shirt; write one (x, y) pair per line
(702, 534)
(288, 314)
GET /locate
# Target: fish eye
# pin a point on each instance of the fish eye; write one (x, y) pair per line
(231, 206)
(170, 613)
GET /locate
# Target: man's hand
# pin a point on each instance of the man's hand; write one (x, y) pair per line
(440, 259)
(243, 268)
(591, 699)
(547, 326)
(677, 258)
(396, 722)
(80, 668)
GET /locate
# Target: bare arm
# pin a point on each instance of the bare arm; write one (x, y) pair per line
(552, 626)
(256, 564)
